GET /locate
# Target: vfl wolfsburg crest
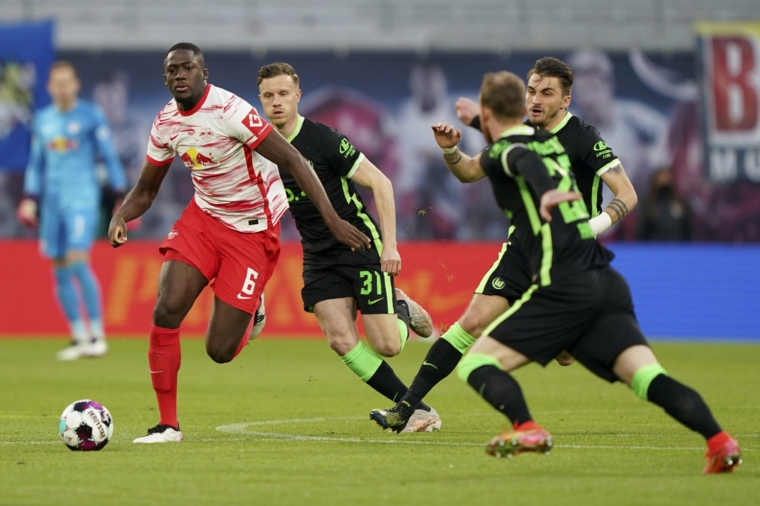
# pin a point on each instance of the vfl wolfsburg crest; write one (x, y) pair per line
(498, 283)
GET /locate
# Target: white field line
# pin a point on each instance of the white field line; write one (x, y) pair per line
(242, 428)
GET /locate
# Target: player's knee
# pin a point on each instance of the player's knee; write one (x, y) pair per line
(341, 342)
(471, 322)
(389, 348)
(167, 315)
(219, 353)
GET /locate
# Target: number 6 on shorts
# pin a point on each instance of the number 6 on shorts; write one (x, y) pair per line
(250, 282)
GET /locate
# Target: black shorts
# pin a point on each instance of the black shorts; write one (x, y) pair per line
(509, 277)
(336, 274)
(589, 314)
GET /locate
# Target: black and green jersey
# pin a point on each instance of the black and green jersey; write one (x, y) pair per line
(522, 165)
(589, 155)
(335, 160)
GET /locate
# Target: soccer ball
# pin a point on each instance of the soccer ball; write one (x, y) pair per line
(85, 425)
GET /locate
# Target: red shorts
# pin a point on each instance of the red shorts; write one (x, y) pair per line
(237, 264)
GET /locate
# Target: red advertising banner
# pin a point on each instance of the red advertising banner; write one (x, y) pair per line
(440, 276)
(730, 62)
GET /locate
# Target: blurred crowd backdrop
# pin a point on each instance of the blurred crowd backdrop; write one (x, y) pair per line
(686, 125)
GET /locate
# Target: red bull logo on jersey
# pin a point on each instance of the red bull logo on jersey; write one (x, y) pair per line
(193, 159)
(62, 144)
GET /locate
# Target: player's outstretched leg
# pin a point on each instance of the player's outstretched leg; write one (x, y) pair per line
(387, 334)
(485, 368)
(179, 284)
(638, 367)
(442, 358)
(336, 318)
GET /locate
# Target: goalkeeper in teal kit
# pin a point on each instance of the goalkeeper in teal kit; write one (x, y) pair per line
(62, 188)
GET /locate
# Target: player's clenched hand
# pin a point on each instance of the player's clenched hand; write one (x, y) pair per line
(349, 235)
(446, 135)
(466, 110)
(27, 212)
(390, 260)
(133, 224)
(117, 231)
(552, 199)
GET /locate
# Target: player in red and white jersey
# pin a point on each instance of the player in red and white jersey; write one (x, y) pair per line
(216, 140)
(229, 233)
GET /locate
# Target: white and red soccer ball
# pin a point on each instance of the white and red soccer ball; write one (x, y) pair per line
(85, 426)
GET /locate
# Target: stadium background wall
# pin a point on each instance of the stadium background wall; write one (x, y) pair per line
(680, 291)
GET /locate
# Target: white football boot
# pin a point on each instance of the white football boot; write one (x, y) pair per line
(259, 320)
(419, 319)
(423, 421)
(96, 348)
(73, 351)
(161, 434)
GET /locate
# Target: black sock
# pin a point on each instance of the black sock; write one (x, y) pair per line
(501, 391)
(683, 404)
(402, 312)
(387, 383)
(440, 361)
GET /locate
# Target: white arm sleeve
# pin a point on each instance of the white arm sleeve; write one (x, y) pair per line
(600, 223)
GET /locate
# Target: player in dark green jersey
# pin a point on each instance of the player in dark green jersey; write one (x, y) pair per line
(577, 302)
(337, 280)
(548, 96)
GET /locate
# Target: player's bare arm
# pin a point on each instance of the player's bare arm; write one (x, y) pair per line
(137, 201)
(467, 110)
(465, 168)
(370, 177)
(279, 151)
(623, 203)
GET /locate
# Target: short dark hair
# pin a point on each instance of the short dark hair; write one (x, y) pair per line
(554, 67)
(276, 69)
(189, 47)
(504, 94)
(63, 64)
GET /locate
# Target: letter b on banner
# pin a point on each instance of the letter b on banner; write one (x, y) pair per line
(735, 95)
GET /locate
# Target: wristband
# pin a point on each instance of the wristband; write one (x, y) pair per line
(600, 223)
(452, 149)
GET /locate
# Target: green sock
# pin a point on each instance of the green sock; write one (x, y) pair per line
(363, 361)
(374, 371)
(459, 338)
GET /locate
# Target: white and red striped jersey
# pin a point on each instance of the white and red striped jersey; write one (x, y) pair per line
(216, 141)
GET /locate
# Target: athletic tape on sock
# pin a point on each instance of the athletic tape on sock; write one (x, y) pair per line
(473, 361)
(459, 338)
(644, 377)
(363, 361)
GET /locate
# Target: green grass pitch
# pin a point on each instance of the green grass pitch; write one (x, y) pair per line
(287, 423)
